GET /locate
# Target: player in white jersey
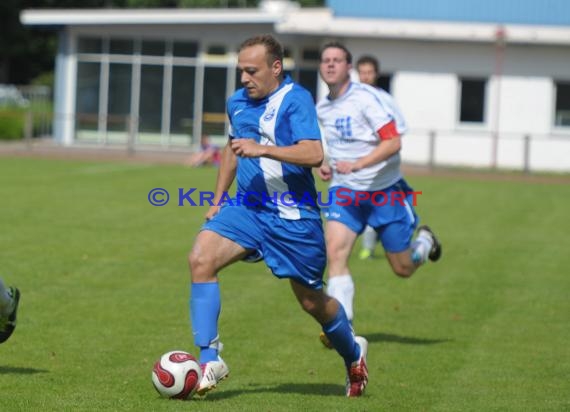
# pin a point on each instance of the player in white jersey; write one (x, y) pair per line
(368, 69)
(363, 135)
(274, 142)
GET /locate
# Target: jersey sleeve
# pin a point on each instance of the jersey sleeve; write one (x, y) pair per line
(303, 117)
(383, 117)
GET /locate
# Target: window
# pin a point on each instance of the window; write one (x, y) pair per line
(215, 89)
(120, 46)
(184, 49)
(217, 50)
(562, 110)
(238, 84)
(87, 101)
(153, 48)
(150, 109)
(309, 78)
(384, 82)
(89, 45)
(214, 103)
(472, 100)
(313, 55)
(182, 107)
(119, 96)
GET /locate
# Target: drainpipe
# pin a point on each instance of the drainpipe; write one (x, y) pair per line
(500, 36)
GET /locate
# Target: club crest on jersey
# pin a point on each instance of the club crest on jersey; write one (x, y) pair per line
(268, 115)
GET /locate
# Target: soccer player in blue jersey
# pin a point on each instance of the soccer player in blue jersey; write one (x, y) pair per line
(273, 144)
(9, 300)
(363, 135)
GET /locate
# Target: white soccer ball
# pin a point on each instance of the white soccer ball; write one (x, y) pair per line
(176, 375)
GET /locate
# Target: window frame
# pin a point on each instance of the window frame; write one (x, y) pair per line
(558, 127)
(484, 123)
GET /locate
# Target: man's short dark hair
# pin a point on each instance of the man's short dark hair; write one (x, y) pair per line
(337, 45)
(273, 48)
(368, 59)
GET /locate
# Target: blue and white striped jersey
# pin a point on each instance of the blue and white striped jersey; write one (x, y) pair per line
(283, 118)
(352, 125)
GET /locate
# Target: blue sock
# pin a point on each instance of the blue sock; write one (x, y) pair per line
(205, 308)
(341, 336)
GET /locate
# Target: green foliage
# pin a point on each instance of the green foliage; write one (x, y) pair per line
(25, 53)
(13, 120)
(312, 3)
(12, 124)
(104, 283)
(210, 3)
(152, 3)
(44, 79)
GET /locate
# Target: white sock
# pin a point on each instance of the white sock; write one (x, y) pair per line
(342, 289)
(369, 237)
(5, 299)
(421, 248)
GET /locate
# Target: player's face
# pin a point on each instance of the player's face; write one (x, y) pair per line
(257, 76)
(334, 67)
(367, 74)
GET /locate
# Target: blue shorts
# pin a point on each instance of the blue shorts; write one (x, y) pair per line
(389, 211)
(291, 248)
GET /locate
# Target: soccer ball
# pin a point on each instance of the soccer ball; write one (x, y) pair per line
(176, 375)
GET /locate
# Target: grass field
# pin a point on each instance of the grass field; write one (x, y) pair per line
(104, 284)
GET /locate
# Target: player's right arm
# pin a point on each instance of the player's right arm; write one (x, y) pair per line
(388, 147)
(226, 176)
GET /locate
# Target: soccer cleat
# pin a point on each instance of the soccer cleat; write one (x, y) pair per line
(357, 373)
(325, 341)
(435, 252)
(8, 323)
(212, 373)
(365, 254)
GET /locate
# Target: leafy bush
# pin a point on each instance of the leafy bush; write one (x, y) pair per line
(12, 124)
(44, 79)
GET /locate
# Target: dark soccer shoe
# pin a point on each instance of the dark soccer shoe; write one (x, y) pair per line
(8, 325)
(435, 252)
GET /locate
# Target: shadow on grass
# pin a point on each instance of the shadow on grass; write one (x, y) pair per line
(4, 370)
(408, 340)
(323, 389)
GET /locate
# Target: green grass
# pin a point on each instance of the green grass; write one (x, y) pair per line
(104, 284)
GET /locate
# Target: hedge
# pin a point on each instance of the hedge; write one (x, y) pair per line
(12, 123)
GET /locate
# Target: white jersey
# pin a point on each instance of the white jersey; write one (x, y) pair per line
(352, 125)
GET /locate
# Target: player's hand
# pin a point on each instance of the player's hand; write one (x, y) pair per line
(212, 211)
(325, 172)
(345, 168)
(247, 148)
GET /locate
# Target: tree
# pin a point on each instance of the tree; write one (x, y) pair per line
(25, 53)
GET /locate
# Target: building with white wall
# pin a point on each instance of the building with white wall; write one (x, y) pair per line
(480, 84)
